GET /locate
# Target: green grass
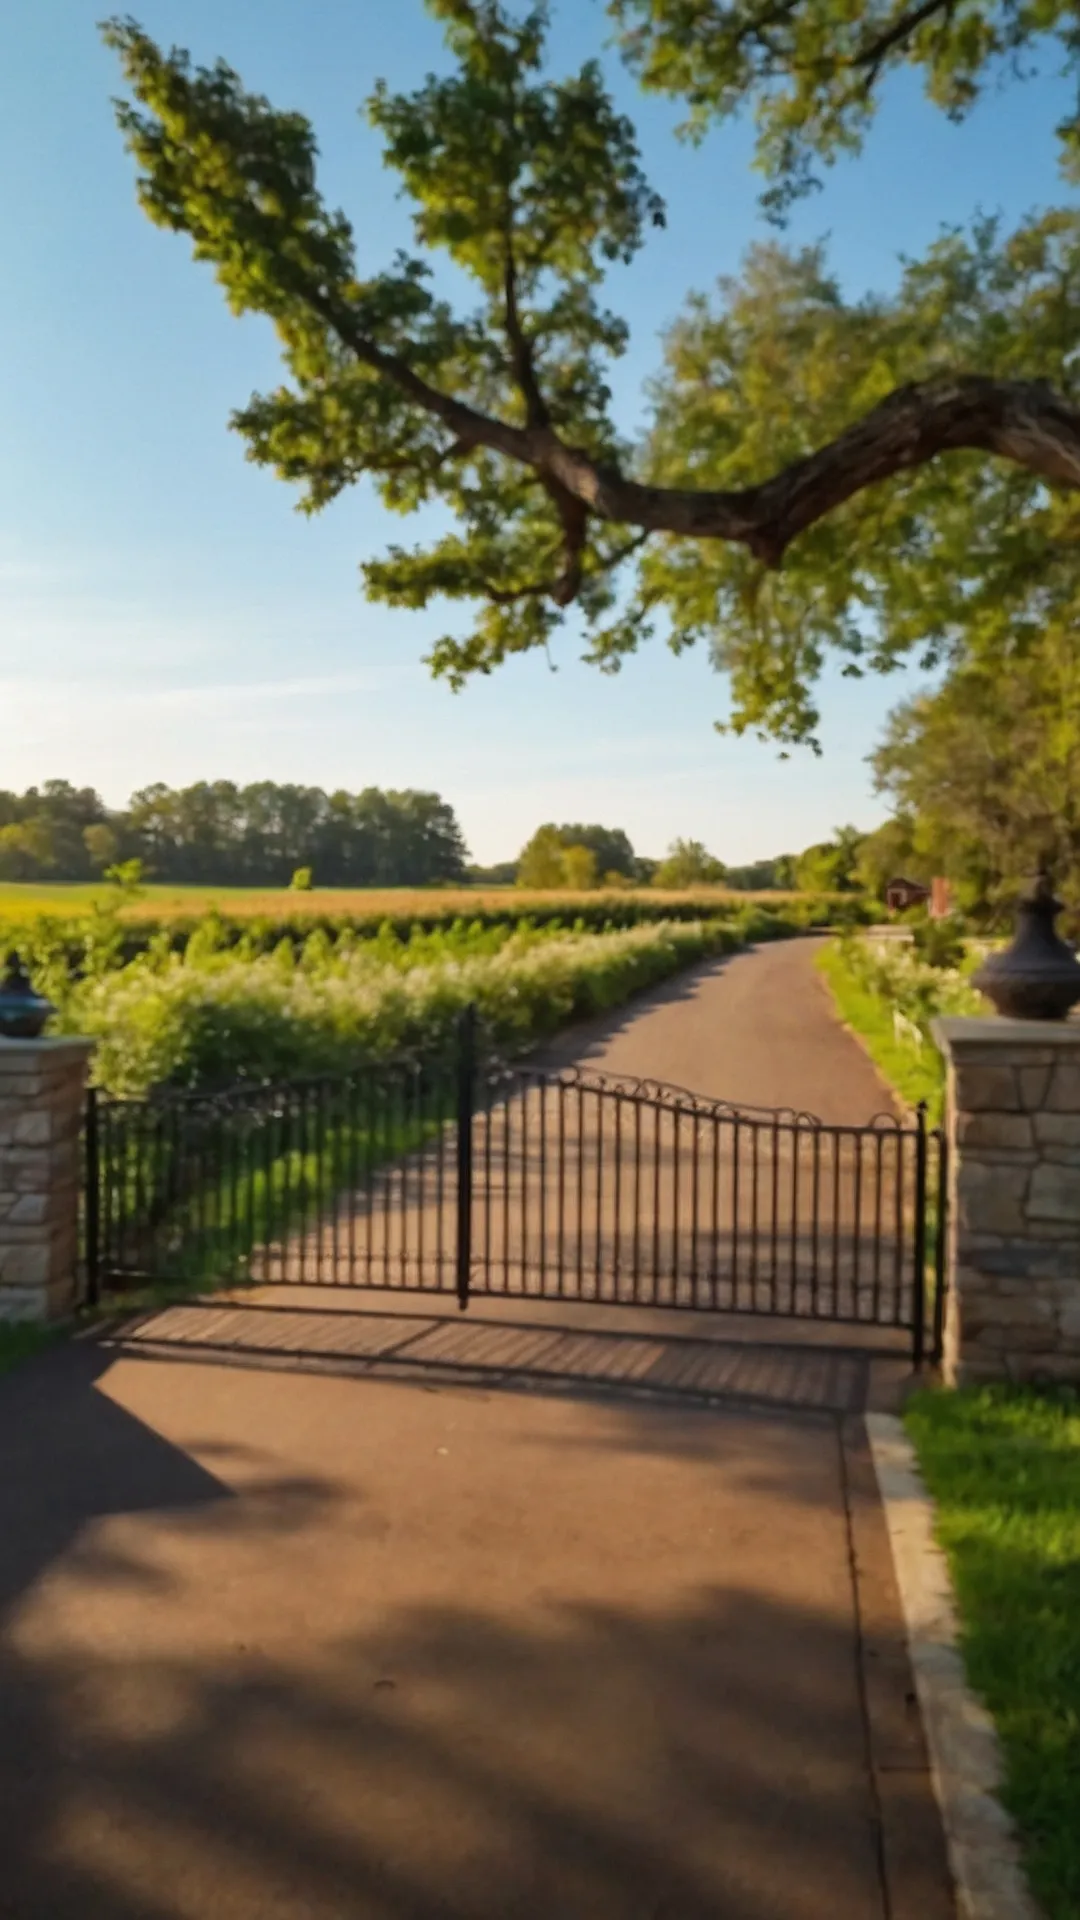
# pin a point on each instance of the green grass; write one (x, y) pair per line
(916, 1072)
(1003, 1465)
(20, 1339)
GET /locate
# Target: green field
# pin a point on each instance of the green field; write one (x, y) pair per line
(24, 901)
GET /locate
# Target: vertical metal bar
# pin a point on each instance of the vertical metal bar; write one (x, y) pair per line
(941, 1270)
(774, 1219)
(562, 1188)
(816, 1223)
(635, 1281)
(897, 1315)
(735, 1198)
(694, 1185)
(755, 1209)
(275, 1231)
(857, 1146)
(542, 1201)
(404, 1157)
(303, 1183)
(676, 1249)
(617, 1200)
(352, 1112)
(657, 1114)
(487, 1183)
(793, 1273)
(580, 1191)
(420, 1151)
(523, 1185)
(835, 1137)
(440, 1177)
(598, 1259)
(286, 1179)
(714, 1275)
(466, 1089)
(333, 1152)
(918, 1302)
(92, 1199)
(509, 1108)
(879, 1172)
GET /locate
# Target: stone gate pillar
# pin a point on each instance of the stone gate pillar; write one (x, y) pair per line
(42, 1085)
(1013, 1125)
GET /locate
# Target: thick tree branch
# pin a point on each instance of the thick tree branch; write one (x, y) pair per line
(1020, 420)
(874, 52)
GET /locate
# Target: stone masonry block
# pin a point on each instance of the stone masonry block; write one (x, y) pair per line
(990, 1198)
(34, 1129)
(1054, 1194)
(1064, 1094)
(1034, 1085)
(1058, 1130)
(1005, 1132)
(981, 1089)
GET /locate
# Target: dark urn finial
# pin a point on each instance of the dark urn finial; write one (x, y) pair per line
(23, 1012)
(1036, 977)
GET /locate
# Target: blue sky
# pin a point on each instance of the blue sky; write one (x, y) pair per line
(164, 611)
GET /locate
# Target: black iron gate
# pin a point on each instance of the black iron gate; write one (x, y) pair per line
(476, 1178)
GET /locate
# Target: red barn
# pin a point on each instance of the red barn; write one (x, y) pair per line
(901, 894)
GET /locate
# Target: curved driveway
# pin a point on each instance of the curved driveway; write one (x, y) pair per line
(757, 1029)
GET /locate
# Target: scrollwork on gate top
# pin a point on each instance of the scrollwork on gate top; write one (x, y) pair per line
(653, 1093)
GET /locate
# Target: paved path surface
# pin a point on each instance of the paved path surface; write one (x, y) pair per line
(366, 1636)
(284, 1647)
(756, 1029)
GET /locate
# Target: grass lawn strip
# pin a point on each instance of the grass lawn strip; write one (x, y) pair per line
(915, 1072)
(1003, 1467)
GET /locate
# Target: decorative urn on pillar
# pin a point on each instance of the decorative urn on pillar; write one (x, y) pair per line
(1036, 977)
(23, 1012)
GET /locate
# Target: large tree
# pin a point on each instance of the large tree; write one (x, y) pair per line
(501, 411)
(987, 769)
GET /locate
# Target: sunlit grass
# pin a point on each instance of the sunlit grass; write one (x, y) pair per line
(1003, 1465)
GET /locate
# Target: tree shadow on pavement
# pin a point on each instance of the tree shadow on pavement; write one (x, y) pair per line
(226, 1700)
(597, 1764)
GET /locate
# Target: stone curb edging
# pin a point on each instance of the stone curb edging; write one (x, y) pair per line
(965, 1757)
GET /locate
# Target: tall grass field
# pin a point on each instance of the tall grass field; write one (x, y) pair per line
(25, 901)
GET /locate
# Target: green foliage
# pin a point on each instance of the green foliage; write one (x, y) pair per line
(689, 864)
(302, 881)
(500, 412)
(59, 950)
(1003, 1466)
(831, 866)
(217, 832)
(889, 996)
(891, 853)
(812, 69)
(939, 943)
(958, 558)
(540, 862)
(988, 769)
(102, 844)
(579, 868)
(127, 876)
(573, 857)
(209, 1018)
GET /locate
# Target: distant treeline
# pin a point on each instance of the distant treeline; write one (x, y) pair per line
(218, 834)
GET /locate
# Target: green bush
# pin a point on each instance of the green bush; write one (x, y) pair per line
(217, 1017)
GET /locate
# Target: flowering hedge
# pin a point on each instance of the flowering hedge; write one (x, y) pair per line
(209, 1017)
